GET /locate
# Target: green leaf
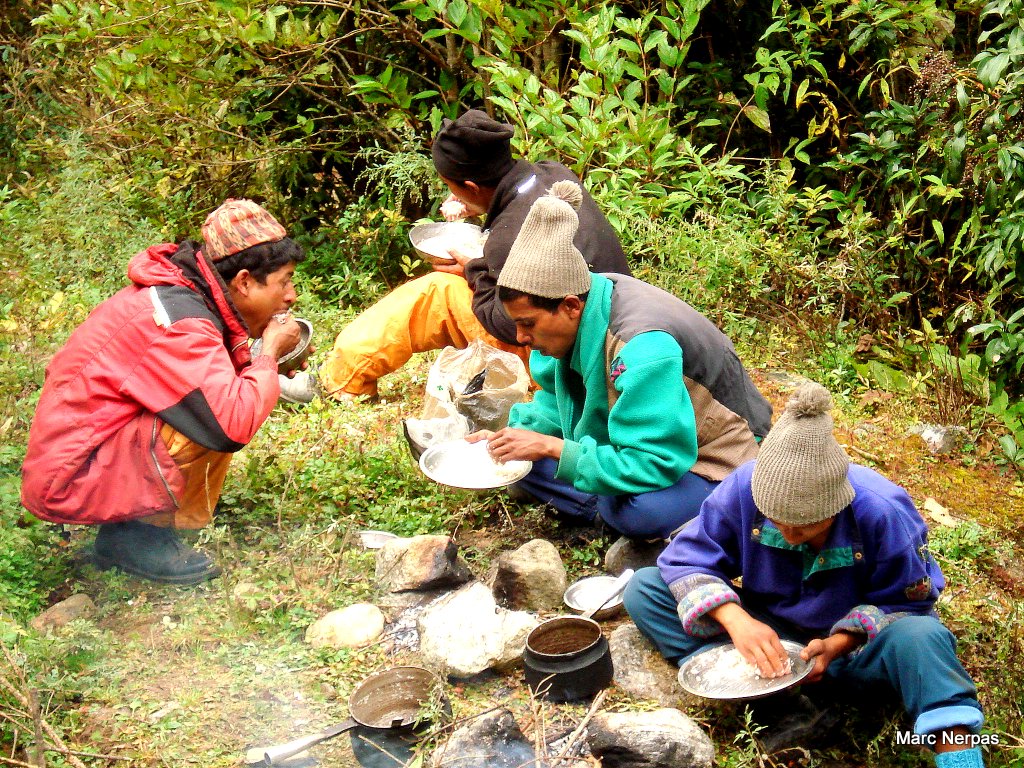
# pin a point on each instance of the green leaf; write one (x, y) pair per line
(758, 117)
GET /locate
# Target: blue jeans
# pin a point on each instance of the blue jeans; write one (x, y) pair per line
(651, 515)
(914, 656)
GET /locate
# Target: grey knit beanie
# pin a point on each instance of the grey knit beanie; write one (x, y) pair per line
(543, 260)
(800, 474)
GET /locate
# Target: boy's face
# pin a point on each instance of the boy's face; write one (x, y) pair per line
(814, 534)
(477, 199)
(550, 333)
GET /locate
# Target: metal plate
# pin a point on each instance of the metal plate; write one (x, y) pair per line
(432, 240)
(590, 592)
(709, 674)
(468, 465)
(374, 539)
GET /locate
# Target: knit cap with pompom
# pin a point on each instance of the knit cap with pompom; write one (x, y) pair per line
(543, 260)
(800, 474)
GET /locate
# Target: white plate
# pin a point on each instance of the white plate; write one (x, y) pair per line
(461, 464)
(700, 676)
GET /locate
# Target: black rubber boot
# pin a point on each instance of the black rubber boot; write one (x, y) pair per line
(152, 553)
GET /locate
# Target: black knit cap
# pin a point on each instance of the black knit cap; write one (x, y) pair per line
(473, 148)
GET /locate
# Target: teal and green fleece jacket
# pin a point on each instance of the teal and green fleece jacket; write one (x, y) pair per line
(651, 390)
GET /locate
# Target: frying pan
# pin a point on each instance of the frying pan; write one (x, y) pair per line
(389, 700)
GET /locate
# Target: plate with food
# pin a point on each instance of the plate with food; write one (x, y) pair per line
(722, 673)
(435, 239)
(462, 464)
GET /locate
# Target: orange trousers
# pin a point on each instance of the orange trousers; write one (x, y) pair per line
(430, 312)
(204, 471)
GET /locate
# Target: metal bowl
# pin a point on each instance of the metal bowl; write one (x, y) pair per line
(462, 464)
(703, 674)
(434, 239)
(590, 592)
(294, 359)
(374, 539)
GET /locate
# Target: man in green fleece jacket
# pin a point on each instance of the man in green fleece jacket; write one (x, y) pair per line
(644, 406)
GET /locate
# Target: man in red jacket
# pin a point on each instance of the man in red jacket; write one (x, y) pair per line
(143, 407)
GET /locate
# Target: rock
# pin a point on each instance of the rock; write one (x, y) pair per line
(78, 606)
(530, 578)
(468, 632)
(664, 738)
(631, 553)
(493, 740)
(351, 627)
(420, 562)
(643, 672)
(786, 379)
(394, 604)
(940, 439)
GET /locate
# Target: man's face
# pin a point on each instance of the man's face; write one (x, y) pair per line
(814, 534)
(551, 333)
(258, 302)
(476, 199)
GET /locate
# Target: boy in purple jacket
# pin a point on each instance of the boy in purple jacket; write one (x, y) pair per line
(831, 554)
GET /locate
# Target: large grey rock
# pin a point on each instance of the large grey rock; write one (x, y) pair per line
(664, 738)
(58, 615)
(493, 740)
(643, 672)
(631, 553)
(530, 578)
(468, 632)
(352, 627)
(420, 562)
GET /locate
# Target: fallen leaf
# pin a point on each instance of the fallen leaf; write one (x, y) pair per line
(939, 513)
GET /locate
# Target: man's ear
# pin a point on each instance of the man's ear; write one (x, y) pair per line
(573, 306)
(241, 283)
(472, 185)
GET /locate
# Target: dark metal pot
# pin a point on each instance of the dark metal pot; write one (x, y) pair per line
(567, 658)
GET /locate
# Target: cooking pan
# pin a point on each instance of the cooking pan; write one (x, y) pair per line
(394, 699)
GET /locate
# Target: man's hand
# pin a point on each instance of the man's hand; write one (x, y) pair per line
(461, 259)
(510, 444)
(280, 338)
(825, 651)
(756, 641)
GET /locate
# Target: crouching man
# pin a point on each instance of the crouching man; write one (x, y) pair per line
(143, 407)
(831, 555)
(644, 406)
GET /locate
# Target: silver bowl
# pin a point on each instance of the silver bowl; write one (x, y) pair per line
(433, 239)
(294, 359)
(590, 592)
(462, 464)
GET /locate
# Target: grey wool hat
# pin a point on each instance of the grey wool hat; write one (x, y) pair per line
(543, 260)
(800, 473)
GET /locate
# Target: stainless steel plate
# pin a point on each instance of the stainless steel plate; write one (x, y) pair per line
(468, 465)
(432, 240)
(374, 539)
(590, 592)
(708, 674)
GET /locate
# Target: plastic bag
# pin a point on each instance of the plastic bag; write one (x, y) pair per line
(467, 390)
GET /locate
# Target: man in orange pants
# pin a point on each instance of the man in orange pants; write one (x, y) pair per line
(457, 304)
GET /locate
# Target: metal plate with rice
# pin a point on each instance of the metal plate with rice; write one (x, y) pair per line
(715, 674)
(461, 464)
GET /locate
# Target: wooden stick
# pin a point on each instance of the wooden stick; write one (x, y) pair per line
(575, 735)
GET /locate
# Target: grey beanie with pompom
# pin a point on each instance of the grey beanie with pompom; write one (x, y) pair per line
(800, 473)
(543, 260)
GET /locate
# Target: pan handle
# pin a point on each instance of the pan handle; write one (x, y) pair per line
(276, 754)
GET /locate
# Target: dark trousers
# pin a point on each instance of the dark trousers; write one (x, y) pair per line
(651, 515)
(914, 656)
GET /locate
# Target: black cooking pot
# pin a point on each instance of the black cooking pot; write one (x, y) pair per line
(567, 658)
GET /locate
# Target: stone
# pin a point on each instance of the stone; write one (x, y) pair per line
(79, 606)
(632, 553)
(940, 439)
(419, 563)
(664, 738)
(644, 673)
(493, 740)
(468, 632)
(530, 578)
(351, 627)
